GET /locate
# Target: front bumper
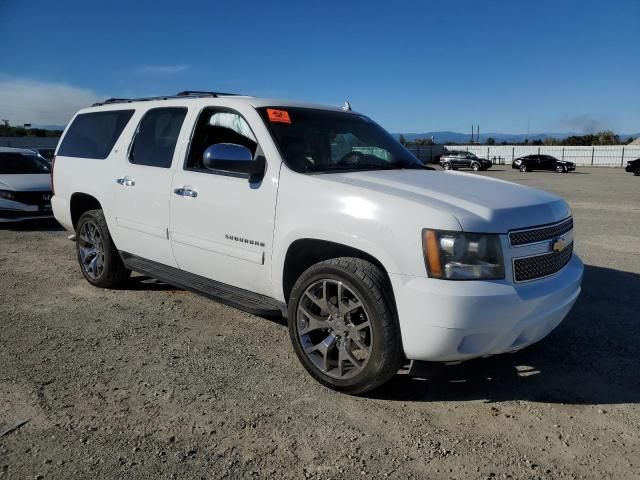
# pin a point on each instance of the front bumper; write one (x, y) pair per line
(459, 320)
(12, 211)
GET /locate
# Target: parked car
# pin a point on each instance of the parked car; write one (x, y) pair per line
(46, 153)
(25, 185)
(452, 160)
(320, 214)
(529, 163)
(633, 166)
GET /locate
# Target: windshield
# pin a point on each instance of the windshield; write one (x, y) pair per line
(313, 140)
(22, 163)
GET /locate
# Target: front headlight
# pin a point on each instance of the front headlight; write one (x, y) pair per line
(6, 194)
(517, 162)
(462, 256)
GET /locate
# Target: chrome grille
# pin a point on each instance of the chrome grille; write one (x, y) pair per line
(33, 198)
(534, 235)
(530, 268)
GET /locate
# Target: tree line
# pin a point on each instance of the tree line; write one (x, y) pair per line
(606, 137)
(7, 130)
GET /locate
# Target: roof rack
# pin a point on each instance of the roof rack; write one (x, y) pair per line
(183, 94)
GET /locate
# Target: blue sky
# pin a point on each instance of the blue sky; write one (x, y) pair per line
(412, 66)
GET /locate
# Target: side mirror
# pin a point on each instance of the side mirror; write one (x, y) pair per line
(230, 157)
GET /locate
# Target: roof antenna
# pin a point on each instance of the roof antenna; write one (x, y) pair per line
(346, 106)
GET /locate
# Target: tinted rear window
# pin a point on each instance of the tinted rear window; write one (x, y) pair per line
(92, 135)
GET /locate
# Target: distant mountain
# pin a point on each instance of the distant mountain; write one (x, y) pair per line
(456, 137)
(49, 127)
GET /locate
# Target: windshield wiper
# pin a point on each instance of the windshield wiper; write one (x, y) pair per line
(413, 166)
(370, 166)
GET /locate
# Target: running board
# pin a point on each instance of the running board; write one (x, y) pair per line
(250, 302)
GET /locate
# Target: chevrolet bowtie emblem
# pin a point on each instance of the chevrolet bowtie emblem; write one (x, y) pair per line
(558, 245)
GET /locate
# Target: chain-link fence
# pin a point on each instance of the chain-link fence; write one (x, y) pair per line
(427, 153)
(596, 156)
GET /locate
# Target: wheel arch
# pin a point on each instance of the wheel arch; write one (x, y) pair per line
(80, 203)
(304, 252)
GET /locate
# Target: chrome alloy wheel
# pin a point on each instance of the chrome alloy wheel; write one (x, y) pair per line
(91, 250)
(334, 329)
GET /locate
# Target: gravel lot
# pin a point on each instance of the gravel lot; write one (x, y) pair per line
(155, 382)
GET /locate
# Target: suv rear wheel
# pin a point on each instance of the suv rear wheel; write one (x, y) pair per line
(98, 257)
(343, 327)
(637, 172)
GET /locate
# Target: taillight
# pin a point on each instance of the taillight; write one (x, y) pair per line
(53, 162)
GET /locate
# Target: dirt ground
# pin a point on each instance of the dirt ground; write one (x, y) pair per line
(155, 382)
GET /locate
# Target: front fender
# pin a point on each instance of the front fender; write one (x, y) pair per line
(384, 226)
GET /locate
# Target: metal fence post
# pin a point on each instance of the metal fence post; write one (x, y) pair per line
(513, 154)
(562, 153)
(622, 159)
(593, 152)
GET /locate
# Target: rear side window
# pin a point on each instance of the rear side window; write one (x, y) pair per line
(93, 135)
(156, 138)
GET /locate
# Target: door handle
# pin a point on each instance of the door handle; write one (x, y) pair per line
(125, 181)
(185, 192)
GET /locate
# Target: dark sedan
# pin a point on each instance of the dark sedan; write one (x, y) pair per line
(542, 162)
(634, 166)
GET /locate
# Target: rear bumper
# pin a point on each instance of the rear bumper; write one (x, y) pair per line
(62, 212)
(450, 321)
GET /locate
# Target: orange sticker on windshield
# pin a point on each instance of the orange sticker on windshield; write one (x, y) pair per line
(279, 116)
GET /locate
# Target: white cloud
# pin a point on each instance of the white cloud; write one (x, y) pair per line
(162, 69)
(24, 100)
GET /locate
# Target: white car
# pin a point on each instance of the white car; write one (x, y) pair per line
(25, 186)
(317, 212)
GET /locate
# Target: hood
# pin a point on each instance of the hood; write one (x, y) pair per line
(479, 204)
(34, 182)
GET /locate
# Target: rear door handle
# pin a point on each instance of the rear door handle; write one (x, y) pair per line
(125, 181)
(185, 192)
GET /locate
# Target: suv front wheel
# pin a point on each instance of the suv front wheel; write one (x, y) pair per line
(343, 326)
(98, 257)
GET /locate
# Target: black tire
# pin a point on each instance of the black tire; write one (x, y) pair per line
(447, 166)
(475, 167)
(523, 168)
(113, 274)
(375, 293)
(637, 172)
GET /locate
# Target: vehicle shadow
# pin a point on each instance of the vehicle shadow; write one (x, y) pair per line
(42, 225)
(593, 357)
(143, 282)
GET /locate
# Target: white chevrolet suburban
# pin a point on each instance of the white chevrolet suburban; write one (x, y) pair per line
(318, 213)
